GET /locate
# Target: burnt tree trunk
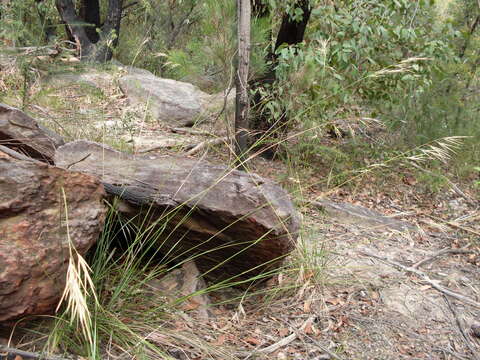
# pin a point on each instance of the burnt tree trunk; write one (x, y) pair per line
(241, 80)
(90, 12)
(93, 47)
(291, 32)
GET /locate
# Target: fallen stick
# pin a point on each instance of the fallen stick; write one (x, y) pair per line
(196, 148)
(425, 277)
(191, 131)
(158, 147)
(17, 155)
(463, 250)
(286, 340)
(5, 351)
(454, 225)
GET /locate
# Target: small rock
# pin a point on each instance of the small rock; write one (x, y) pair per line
(184, 282)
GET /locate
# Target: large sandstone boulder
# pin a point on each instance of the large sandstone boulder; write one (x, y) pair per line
(173, 102)
(22, 133)
(238, 224)
(33, 232)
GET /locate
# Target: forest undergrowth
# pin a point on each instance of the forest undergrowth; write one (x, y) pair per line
(382, 108)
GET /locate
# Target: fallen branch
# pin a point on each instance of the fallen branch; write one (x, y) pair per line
(5, 351)
(158, 147)
(196, 148)
(463, 250)
(17, 155)
(425, 278)
(33, 50)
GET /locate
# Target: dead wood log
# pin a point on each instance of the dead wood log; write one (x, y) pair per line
(236, 224)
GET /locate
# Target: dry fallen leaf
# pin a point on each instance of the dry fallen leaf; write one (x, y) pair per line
(307, 306)
(252, 341)
(190, 305)
(308, 328)
(220, 341)
(283, 332)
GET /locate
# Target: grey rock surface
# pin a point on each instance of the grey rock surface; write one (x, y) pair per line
(22, 133)
(173, 102)
(238, 223)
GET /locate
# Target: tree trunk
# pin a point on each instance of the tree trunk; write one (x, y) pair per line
(242, 104)
(100, 51)
(66, 9)
(291, 33)
(90, 12)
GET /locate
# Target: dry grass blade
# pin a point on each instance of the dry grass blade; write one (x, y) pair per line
(78, 286)
(441, 150)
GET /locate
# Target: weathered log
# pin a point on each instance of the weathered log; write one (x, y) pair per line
(33, 232)
(238, 224)
(23, 134)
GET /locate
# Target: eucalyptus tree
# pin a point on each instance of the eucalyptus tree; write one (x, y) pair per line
(291, 32)
(241, 79)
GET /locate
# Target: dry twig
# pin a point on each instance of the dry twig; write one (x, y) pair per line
(196, 148)
(286, 340)
(425, 278)
(158, 147)
(454, 225)
(442, 252)
(6, 351)
(191, 131)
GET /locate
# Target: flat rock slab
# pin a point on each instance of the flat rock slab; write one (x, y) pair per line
(360, 215)
(92, 78)
(239, 224)
(34, 249)
(22, 133)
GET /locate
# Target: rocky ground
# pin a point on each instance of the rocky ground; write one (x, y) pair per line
(397, 281)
